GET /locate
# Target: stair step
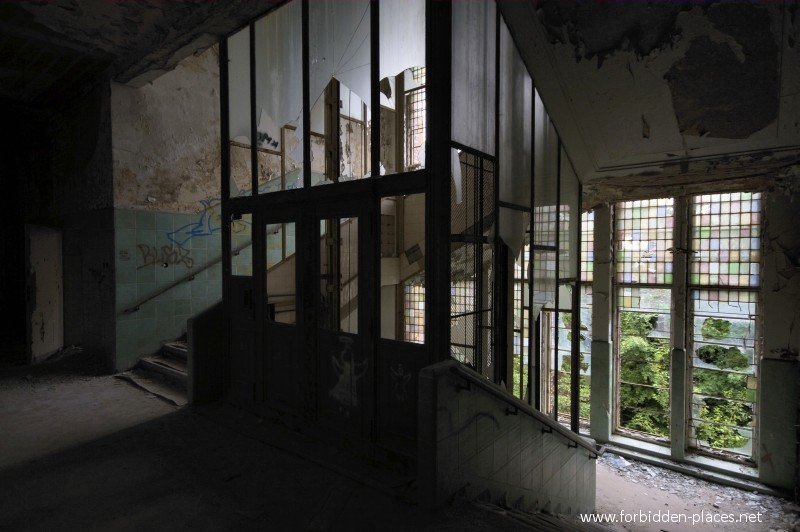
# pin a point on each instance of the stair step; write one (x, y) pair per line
(171, 368)
(177, 349)
(156, 384)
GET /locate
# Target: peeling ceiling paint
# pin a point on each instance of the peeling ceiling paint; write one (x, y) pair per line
(600, 29)
(666, 94)
(135, 41)
(701, 82)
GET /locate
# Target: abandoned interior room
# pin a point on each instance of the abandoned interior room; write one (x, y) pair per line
(477, 246)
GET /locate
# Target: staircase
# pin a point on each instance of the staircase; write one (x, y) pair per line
(170, 363)
(165, 374)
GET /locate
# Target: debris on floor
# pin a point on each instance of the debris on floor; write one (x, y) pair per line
(632, 486)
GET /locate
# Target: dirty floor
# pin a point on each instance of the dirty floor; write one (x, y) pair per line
(91, 452)
(633, 487)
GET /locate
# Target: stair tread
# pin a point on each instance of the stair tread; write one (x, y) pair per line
(170, 366)
(176, 350)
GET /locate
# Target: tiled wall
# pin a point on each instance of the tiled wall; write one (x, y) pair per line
(472, 444)
(152, 250)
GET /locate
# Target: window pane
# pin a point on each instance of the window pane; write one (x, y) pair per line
(724, 370)
(642, 236)
(403, 268)
(402, 86)
(339, 50)
(279, 99)
(339, 275)
(473, 75)
(643, 354)
(471, 259)
(569, 218)
(515, 141)
(281, 274)
(725, 239)
(587, 247)
(239, 113)
(242, 246)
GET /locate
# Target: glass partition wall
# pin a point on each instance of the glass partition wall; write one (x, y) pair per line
(329, 110)
(515, 222)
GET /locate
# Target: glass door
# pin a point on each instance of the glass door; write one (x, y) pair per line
(345, 365)
(280, 343)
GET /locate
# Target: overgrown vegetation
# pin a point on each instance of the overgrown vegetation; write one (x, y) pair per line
(724, 358)
(715, 329)
(721, 413)
(565, 376)
(644, 372)
(717, 415)
(564, 384)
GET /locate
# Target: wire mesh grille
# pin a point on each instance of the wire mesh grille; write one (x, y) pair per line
(724, 370)
(471, 259)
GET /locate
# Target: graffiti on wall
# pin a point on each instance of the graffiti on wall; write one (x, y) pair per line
(169, 255)
(209, 221)
(348, 373)
(400, 380)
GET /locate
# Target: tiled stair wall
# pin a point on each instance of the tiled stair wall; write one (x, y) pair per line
(152, 250)
(476, 441)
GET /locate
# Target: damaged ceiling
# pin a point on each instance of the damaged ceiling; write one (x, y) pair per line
(684, 95)
(48, 49)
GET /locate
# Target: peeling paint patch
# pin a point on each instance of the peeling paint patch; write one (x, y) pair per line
(600, 29)
(714, 91)
(755, 172)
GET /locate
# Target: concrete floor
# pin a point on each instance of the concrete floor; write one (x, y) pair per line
(83, 451)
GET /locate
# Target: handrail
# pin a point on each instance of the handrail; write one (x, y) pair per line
(189, 277)
(472, 377)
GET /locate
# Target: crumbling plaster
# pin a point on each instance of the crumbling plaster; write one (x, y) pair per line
(665, 94)
(781, 274)
(142, 39)
(166, 134)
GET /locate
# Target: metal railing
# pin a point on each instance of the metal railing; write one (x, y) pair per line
(515, 406)
(188, 277)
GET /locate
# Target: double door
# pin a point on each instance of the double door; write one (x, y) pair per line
(301, 316)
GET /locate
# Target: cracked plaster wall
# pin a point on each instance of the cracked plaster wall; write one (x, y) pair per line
(780, 320)
(166, 138)
(166, 158)
(781, 279)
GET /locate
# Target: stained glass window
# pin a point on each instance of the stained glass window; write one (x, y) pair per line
(587, 246)
(643, 234)
(414, 311)
(726, 239)
(415, 121)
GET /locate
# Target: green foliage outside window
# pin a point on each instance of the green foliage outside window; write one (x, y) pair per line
(715, 329)
(717, 415)
(720, 413)
(724, 358)
(644, 372)
(564, 384)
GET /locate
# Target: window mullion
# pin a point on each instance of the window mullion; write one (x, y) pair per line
(679, 369)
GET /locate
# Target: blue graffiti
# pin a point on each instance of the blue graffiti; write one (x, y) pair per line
(207, 224)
